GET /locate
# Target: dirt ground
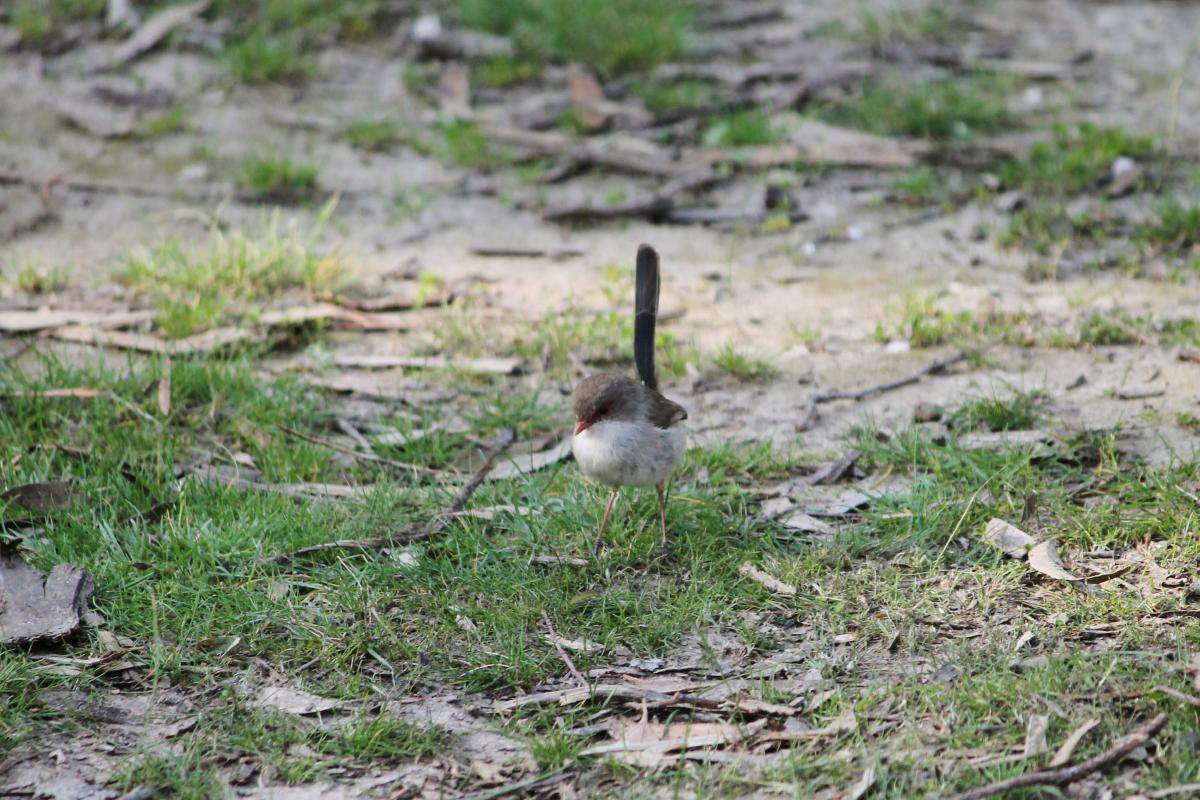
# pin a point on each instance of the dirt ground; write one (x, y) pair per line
(811, 300)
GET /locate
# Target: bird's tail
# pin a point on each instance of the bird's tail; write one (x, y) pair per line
(645, 314)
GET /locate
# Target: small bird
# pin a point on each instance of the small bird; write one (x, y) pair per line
(626, 433)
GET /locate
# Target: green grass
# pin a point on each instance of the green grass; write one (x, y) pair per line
(37, 279)
(742, 129)
(924, 323)
(729, 361)
(612, 36)
(948, 110)
(1175, 227)
(503, 72)
(465, 143)
(911, 576)
(929, 23)
(374, 135)
(266, 58)
(665, 97)
(1017, 412)
(1075, 161)
(38, 21)
(277, 178)
(195, 288)
(173, 120)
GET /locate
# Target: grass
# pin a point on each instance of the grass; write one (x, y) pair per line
(909, 576)
(930, 23)
(924, 323)
(465, 143)
(612, 36)
(277, 178)
(374, 135)
(38, 21)
(37, 279)
(944, 110)
(1075, 161)
(1017, 412)
(265, 58)
(665, 97)
(729, 361)
(173, 120)
(198, 288)
(742, 129)
(1175, 227)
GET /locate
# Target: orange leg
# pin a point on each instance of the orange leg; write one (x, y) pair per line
(662, 514)
(612, 498)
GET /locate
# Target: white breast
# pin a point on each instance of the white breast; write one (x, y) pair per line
(622, 453)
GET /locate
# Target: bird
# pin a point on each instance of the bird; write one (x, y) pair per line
(626, 432)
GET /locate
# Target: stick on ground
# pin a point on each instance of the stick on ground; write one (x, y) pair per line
(1064, 776)
(931, 368)
(413, 533)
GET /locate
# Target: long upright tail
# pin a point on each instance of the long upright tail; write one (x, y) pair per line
(645, 314)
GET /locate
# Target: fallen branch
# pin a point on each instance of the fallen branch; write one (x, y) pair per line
(932, 368)
(1064, 776)
(656, 206)
(413, 533)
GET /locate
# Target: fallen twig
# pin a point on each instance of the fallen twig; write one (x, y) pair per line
(566, 659)
(1064, 776)
(931, 368)
(655, 206)
(412, 533)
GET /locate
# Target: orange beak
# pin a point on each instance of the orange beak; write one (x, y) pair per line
(582, 425)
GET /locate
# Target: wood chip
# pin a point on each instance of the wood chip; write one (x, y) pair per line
(1035, 735)
(34, 606)
(748, 570)
(42, 497)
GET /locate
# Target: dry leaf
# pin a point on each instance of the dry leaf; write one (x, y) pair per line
(1067, 749)
(1044, 558)
(799, 521)
(1008, 537)
(578, 645)
(748, 570)
(34, 606)
(1035, 735)
(164, 389)
(293, 701)
(647, 744)
(846, 722)
(521, 464)
(43, 497)
(862, 786)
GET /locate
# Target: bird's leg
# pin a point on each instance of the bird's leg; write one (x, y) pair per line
(662, 514)
(612, 498)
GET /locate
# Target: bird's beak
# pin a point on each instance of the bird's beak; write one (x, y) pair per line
(582, 425)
